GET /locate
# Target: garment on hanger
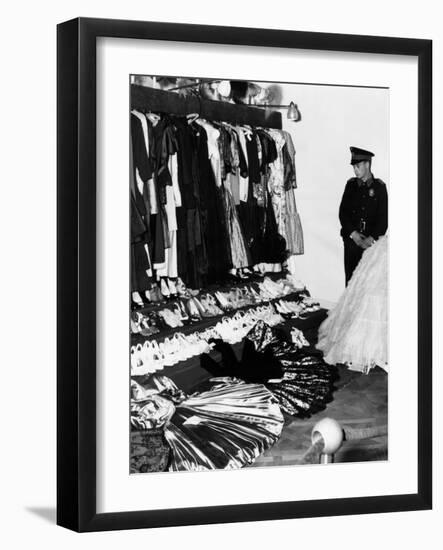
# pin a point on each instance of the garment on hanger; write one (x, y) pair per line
(244, 167)
(173, 201)
(141, 268)
(212, 196)
(191, 245)
(219, 258)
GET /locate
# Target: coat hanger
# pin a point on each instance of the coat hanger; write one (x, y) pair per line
(192, 117)
(247, 130)
(154, 118)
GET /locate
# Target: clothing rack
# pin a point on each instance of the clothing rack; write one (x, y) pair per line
(144, 98)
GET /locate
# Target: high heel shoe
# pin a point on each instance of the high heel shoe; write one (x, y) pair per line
(136, 359)
(164, 288)
(177, 311)
(170, 318)
(193, 310)
(202, 310)
(172, 288)
(135, 322)
(181, 288)
(137, 301)
(213, 303)
(155, 294)
(208, 302)
(222, 300)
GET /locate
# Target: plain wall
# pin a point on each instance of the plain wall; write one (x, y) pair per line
(332, 119)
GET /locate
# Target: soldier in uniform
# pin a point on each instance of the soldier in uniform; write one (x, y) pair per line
(363, 210)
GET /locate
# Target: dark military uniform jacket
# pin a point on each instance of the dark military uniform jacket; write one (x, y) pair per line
(364, 208)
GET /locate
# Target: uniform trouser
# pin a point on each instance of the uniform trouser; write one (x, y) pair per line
(352, 256)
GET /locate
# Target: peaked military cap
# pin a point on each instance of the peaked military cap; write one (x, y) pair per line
(358, 155)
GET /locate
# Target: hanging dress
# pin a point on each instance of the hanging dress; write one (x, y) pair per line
(240, 254)
(214, 220)
(191, 248)
(140, 173)
(294, 230)
(276, 184)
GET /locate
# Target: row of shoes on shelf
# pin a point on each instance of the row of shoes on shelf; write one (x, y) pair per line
(164, 290)
(171, 289)
(196, 306)
(297, 309)
(233, 329)
(178, 314)
(152, 356)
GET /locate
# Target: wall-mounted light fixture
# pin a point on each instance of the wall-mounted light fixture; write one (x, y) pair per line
(293, 112)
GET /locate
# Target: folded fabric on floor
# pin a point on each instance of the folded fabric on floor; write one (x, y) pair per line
(226, 427)
(299, 378)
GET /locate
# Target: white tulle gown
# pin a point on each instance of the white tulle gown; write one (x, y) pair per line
(355, 332)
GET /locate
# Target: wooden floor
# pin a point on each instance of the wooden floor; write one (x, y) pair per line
(360, 401)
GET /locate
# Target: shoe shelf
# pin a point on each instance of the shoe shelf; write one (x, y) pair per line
(189, 375)
(205, 322)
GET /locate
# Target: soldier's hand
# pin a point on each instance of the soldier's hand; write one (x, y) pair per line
(369, 241)
(358, 238)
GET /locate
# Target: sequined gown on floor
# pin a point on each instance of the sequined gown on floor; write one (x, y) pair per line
(298, 378)
(226, 427)
(356, 330)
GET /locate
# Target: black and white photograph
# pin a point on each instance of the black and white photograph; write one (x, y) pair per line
(259, 274)
(220, 220)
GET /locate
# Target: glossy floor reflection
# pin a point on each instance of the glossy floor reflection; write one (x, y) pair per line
(360, 401)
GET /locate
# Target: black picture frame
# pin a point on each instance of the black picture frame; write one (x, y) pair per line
(76, 273)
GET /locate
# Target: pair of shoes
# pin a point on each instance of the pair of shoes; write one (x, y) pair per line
(223, 300)
(146, 358)
(164, 288)
(289, 308)
(255, 295)
(265, 293)
(227, 330)
(298, 338)
(274, 288)
(295, 283)
(201, 308)
(268, 315)
(168, 288)
(155, 294)
(241, 274)
(135, 322)
(180, 311)
(171, 318)
(137, 300)
(142, 324)
(172, 351)
(172, 288)
(183, 291)
(307, 301)
(148, 326)
(234, 329)
(209, 303)
(193, 310)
